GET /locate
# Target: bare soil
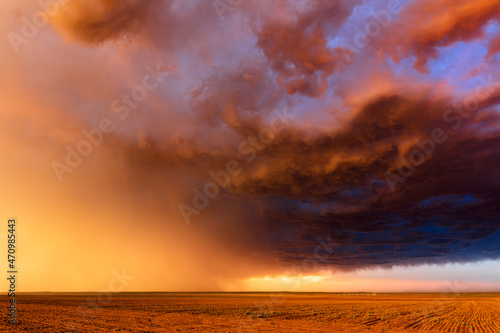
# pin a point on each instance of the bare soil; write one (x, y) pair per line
(254, 312)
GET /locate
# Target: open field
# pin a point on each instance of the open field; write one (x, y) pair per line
(254, 312)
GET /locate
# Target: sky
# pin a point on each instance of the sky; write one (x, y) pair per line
(242, 145)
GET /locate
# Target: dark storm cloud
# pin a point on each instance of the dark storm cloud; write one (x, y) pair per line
(445, 211)
(308, 183)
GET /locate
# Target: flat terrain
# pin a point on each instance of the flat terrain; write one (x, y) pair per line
(254, 312)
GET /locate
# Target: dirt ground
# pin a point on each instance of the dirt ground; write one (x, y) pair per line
(254, 312)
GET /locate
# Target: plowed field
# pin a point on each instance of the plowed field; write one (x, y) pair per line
(255, 312)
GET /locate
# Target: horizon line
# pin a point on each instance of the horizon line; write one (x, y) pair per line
(249, 292)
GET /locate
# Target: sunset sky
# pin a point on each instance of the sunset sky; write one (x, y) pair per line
(240, 145)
